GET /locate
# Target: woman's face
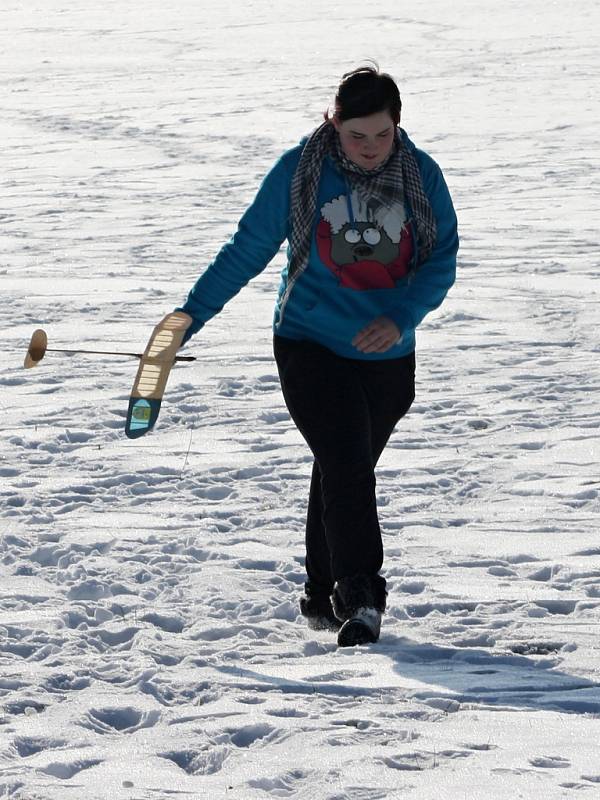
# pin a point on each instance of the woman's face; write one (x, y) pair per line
(367, 141)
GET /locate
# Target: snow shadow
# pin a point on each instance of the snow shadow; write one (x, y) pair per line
(456, 676)
(445, 679)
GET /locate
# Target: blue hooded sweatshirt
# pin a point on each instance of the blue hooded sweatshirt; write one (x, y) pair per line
(361, 265)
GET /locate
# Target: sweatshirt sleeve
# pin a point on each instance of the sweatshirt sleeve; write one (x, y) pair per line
(260, 233)
(433, 278)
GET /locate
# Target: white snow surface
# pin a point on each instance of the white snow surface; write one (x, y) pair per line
(150, 641)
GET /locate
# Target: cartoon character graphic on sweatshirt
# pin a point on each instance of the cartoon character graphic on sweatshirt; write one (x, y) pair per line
(371, 252)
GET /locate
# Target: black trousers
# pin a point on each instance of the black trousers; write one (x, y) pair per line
(346, 410)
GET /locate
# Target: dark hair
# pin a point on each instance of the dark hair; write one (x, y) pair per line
(366, 91)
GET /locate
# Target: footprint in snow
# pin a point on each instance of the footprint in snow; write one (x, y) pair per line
(26, 746)
(536, 648)
(61, 682)
(119, 720)
(26, 707)
(213, 492)
(286, 712)
(199, 762)
(334, 677)
(421, 760)
(480, 747)
(287, 784)
(550, 762)
(250, 735)
(167, 623)
(66, 771)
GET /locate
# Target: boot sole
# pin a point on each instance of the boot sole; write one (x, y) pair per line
(354, 632)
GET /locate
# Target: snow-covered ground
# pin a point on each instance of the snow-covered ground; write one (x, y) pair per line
(149, 640)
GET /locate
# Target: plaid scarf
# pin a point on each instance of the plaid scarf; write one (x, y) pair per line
(387, 184)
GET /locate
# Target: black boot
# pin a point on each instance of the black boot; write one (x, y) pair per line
(316, 607)
(359, 602)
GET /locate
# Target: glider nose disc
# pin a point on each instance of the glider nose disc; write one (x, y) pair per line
(37, 348)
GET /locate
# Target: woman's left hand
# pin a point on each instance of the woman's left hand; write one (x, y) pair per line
(378, 336)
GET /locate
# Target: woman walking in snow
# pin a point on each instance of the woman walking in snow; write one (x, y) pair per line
(372, 249)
